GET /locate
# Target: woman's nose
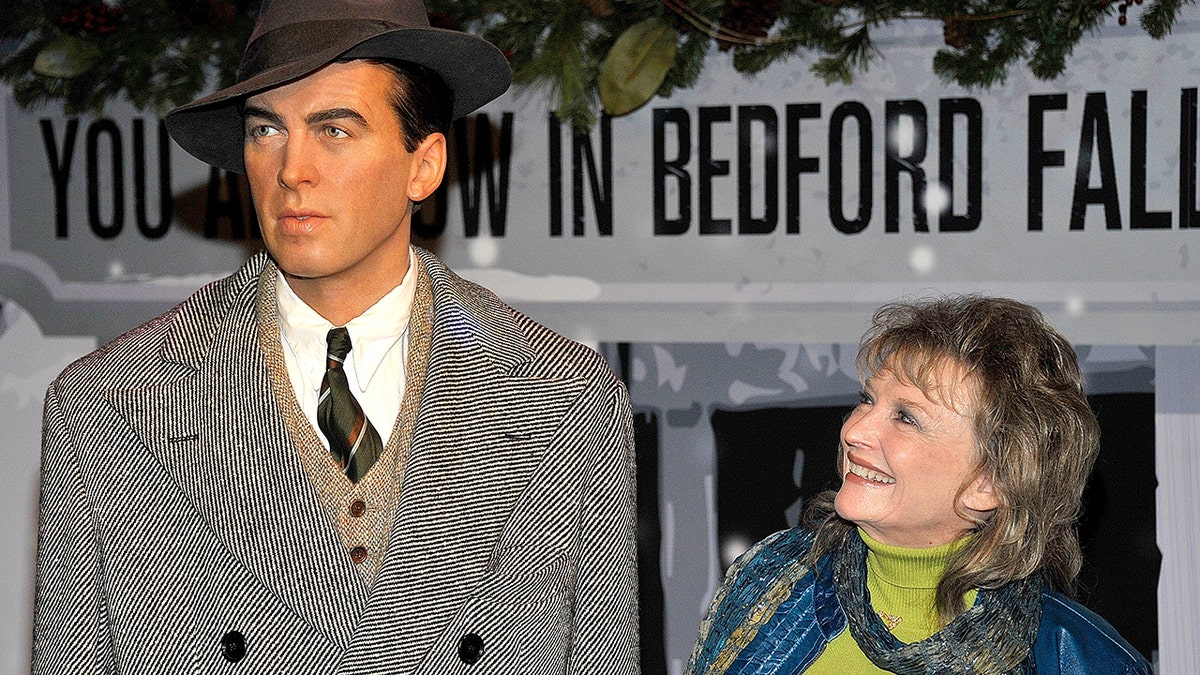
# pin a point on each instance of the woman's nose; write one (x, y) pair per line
(857, 425)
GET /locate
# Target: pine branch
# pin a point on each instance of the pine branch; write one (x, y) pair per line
(164, 52)
(1159, 17)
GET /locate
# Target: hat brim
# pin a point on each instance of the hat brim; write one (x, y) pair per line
(211, 128)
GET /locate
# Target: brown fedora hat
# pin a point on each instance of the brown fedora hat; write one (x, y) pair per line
(295, 38)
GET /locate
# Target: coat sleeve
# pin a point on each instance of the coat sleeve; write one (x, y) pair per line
(70, 633)
(605, 639)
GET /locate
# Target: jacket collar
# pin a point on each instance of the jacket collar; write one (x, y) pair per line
(462, 310)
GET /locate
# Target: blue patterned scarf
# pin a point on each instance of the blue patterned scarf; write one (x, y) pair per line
(994, 637)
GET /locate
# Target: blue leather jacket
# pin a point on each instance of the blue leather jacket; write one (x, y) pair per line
(775, 615)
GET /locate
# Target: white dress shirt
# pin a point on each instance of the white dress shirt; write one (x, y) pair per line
(378, 353)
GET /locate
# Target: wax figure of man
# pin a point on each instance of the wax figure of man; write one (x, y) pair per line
(226, 489)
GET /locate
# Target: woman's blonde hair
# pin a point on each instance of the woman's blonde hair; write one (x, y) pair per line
(1036, 437)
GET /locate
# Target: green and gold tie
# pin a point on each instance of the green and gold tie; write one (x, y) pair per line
(353, 442)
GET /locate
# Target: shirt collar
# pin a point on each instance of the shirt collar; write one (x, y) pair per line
(372, 333)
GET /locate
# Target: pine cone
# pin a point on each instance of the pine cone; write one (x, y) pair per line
(600, 8)
(207, 14)
(956, 32)
(679, 8)
(749, 18)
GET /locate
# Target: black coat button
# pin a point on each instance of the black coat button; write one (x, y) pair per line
(233, 646)
(470, 649)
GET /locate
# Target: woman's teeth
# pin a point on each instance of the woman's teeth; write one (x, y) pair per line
(864, 472)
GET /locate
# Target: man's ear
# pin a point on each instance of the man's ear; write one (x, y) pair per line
(428, 167)
(980, 496)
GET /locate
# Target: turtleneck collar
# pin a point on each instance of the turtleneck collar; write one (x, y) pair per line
(910, 568)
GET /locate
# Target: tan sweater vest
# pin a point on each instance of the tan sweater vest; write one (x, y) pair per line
(361, 513)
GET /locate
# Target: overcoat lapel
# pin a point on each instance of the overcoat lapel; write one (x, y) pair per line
(218, 436)
(481, 433)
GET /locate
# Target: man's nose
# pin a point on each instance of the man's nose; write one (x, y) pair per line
(296, 167)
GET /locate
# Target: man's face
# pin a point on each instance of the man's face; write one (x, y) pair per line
(332, 181)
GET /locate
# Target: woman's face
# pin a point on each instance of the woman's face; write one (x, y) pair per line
(905, 457)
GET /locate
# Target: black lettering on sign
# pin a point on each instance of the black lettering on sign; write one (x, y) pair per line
(600, 183)
(796, 163)
(102, 229)
(1039, 157)
(1189, 216)
(676, 169)
(104, 136)
(750, 116)
(479, 172)
(554, 129)
(166, 205)
(224, 200)
(60, 169)
(583, 166)
(850, 110)
(1139, 217)
(1095, 137)
(904, 121)
(710, 168)
(1096, 151)
(948, 110)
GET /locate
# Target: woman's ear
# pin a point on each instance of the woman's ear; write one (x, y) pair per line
(980, 496)
(428, 167)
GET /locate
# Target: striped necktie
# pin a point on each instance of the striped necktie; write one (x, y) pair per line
(353, 442)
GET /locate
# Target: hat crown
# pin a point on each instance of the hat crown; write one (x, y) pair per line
(276, 14)
(294, 38)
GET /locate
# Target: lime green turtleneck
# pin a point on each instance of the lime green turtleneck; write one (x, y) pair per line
(903, 585)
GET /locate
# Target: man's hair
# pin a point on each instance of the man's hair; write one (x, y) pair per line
(421, 99)
(1036, 438)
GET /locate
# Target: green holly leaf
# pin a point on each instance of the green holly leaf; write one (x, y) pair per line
(636, 65)
(65, 57)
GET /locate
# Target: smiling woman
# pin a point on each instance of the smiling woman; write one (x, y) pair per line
(950, 546)
(909, 460)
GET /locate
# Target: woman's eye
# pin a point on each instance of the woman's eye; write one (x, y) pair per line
(906, 418)
(864, 398)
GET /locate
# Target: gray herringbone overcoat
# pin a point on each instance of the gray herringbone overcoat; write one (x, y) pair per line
(175, 511)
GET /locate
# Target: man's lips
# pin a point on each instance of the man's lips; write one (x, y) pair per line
(299, 221)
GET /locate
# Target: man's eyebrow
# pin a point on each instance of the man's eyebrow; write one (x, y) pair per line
(261, 113)
(314, 118)
(337, 114)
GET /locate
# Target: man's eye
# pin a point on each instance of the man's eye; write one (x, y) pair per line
(261, 131)
(334, 132)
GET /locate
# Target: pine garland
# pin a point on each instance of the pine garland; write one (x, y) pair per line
(162, 53)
